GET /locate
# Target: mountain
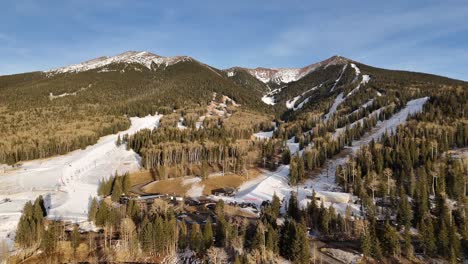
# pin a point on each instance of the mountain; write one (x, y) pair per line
(59, 110)
(287, 75)
(144, 58)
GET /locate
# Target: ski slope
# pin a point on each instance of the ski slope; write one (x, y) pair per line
(67, 182)
(324, 182)
(338, 100)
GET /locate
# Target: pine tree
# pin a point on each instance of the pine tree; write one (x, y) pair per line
(196, 241)
(454, 242)
(119, 141)
(258, 241)
(102, 213)
(146, 235)
(293, 207)
(366, 245)
(275, 206)
(133, 210)
(75, 238)
(428, 239)
(272, 240)
(408, 249)
(391, 241)
(93, 210)
(116, 190)
(324, 220)
(304, 253)
(208, 235)
(286, 156)
(182, 235)
(404, 209)
(377, 249)
(204, 169)
(237, 260)
(126, 184)
(300, 169)
(49, 240)
(293, 177)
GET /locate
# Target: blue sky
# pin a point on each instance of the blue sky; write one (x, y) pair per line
(427, 36)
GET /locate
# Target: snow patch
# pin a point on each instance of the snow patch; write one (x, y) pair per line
(263, 135)
(180, 124)
(196, 190)
(301, 104)
(343, 256)
(269, 100)
(358, 71)
(290, 103)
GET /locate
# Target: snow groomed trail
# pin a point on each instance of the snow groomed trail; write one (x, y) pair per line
(67, 182)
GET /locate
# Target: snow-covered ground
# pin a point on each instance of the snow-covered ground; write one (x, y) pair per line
(338, 100)
(290, 103)
(180, 124)
(293, 147)
(67, 182)
(281, 75)
(358, 71)
(269, 100)
(263, 135)
(344, 256)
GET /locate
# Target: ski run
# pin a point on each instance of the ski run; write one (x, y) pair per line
(66, 182)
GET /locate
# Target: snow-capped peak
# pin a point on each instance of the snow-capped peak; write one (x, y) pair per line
(287, 75)
(141, 57)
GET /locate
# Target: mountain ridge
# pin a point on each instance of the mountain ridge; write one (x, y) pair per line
(144, 58)
(287, 75)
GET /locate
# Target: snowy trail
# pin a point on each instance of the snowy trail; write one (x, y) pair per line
(263, 188)
(67, 182)
(338, 100)
(339, 78)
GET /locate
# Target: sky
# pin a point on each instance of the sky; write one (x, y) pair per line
(418, 35)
